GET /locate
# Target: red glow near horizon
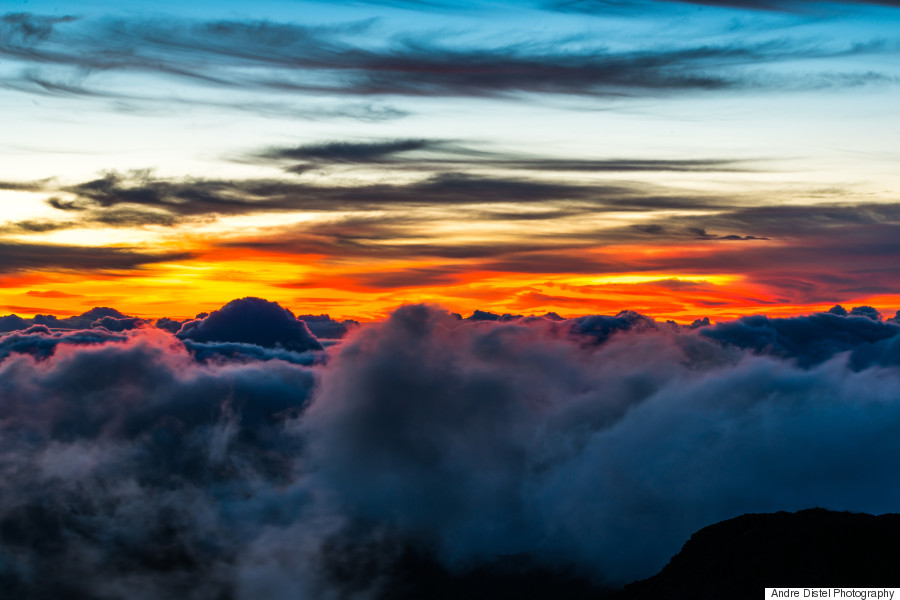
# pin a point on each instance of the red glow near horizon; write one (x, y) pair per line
(370, 290)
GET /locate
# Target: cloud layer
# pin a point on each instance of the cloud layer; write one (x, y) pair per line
(137, 464)
(416, 228)
(285, 57)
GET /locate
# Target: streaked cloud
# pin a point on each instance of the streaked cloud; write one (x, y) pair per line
(337, 60)
(447, 155)
(18, 257)
(797, 6)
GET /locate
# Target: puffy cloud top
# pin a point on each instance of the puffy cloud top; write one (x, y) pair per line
(12, 323)
(252, 321)
(117, 324)
(324, 327)
(866, 311)
(811, 339)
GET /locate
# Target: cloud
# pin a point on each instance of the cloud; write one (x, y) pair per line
(38, 341)
(118, 324)
(252, 321)
(601, 327)
(801, 254)
(113, 454)
(15, 257)
(780, 4)
(446, 155)
(12, 323)
(246, 352)
(811, 339)
(498, 439)
(404, 278)
(100, 316)
(290, 58)
(779, 249)
(867, 312)
(36, 82)
(426, 451)
(812, 265)
(52, 294)
(170, 325)
(23, 186)
(137, 198)
(797, 6)
(324, 327)
(351, 152)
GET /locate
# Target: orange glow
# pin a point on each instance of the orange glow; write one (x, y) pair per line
(181, 290)
(367, 289)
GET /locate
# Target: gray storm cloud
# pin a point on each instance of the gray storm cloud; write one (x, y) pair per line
(138, 464)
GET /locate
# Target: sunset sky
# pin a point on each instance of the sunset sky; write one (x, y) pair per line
(731, 165)
(680, 159)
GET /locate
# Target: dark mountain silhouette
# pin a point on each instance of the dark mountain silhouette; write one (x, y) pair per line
(740, 557)
(735, 559)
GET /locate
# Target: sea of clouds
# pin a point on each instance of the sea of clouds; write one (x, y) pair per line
(238, 456)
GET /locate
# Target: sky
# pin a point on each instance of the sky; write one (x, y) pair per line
(188, 189)
(680, 159)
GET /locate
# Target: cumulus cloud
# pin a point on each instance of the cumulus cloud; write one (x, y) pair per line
(426, 450)
(118, 324)
(41, 342)
(12, 323)
(252, 321)
(498, 439)
(124, 460)
(170, 325)
(812, 339)
(99, 316)
(324, 327)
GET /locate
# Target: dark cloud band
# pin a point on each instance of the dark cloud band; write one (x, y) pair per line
(16, 257)
(241, 54)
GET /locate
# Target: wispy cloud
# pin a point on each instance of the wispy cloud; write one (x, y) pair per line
(449, 155)
(263, 55)
(415, 223)
(798, 6)
(140, 198)
(35, 82)
(16, 257)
